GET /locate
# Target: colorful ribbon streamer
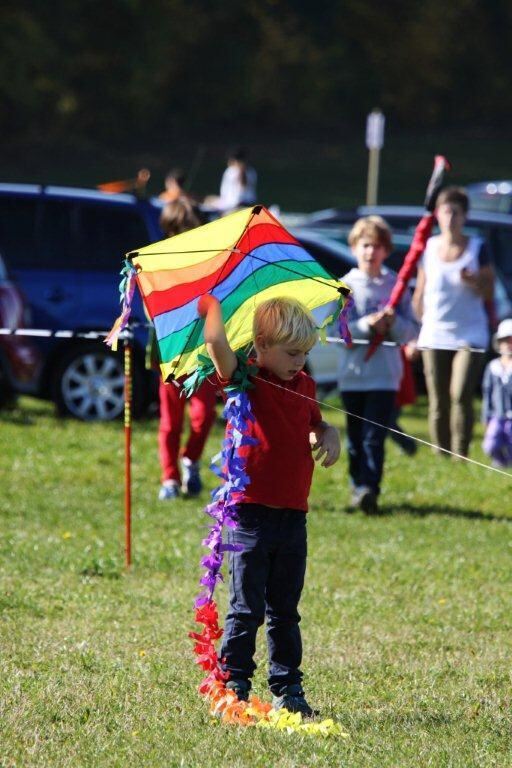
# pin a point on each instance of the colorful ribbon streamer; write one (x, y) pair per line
(223, 702)
(126, 290)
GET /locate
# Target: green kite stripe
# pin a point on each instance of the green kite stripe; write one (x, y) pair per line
(189, 337)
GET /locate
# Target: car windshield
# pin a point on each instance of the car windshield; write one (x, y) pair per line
(3, 270)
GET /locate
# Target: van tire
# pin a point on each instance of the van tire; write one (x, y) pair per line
(88, 384)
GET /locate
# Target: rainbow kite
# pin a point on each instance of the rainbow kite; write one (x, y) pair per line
(243, 259)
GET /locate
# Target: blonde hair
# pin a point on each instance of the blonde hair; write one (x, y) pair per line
(177, 217)
(285, 321)
(374, 227)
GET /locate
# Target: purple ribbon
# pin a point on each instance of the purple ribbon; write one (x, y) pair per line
(343, 320)
(225, 498)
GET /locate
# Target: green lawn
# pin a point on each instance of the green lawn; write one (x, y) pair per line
(406, 617)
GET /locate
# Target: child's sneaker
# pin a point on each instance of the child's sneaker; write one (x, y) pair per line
(365, 499)
(169, 490)
(292, 698)
(240, 687)
(191, 482)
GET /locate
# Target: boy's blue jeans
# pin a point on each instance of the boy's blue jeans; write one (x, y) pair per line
(365, 441)
(266, 580)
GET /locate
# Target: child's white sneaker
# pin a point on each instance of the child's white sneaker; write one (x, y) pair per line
(169, 490)
(191, 479)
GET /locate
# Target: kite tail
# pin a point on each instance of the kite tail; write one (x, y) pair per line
(343, 320)
(224, 703)
(126, 289)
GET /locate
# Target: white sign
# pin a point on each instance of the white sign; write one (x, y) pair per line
(375, 130)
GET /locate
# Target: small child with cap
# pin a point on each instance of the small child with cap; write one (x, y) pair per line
(497, 399)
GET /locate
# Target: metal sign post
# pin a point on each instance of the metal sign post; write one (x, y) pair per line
(374, 142)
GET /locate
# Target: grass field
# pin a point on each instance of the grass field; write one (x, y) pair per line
(406, 617)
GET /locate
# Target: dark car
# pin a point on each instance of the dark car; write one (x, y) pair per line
(19, 359)
(493, 196)
(65, 247)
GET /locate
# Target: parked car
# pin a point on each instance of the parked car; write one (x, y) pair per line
(495, 196)
(19, 359)
(65, 247)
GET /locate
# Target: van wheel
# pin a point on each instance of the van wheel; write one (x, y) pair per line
(89, 384)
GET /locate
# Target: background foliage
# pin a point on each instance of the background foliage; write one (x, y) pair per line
(160, 66)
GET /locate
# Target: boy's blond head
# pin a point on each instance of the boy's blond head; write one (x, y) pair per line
(373, 227)
(285, 321)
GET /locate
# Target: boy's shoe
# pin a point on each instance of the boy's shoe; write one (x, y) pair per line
(240, 687)
(191, 482)
(406, 444)
(169, 490)
(365, 499)
(292, 698)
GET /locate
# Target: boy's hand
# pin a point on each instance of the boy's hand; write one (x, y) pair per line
(327, 445)
(381, 322)
(205, 302)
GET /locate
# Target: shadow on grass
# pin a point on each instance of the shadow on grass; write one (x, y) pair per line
(423, 510)
(20, 418)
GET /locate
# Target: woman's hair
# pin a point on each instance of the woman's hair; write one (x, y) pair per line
(177, 175)
(285, 321)
(373, 227)
(455, 196)
(239, 155)
(178, 216)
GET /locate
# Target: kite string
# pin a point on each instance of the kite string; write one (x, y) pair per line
(390, 429)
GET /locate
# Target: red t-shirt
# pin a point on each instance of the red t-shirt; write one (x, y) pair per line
(280, 466)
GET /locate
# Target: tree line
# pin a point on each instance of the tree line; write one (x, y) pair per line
(110, 67)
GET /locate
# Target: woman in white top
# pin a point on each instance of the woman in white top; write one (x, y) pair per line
(455, 278)
(238, 184)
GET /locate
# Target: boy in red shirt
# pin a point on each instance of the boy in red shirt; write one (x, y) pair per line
(267, 576)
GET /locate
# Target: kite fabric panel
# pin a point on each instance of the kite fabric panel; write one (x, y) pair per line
(243, 259)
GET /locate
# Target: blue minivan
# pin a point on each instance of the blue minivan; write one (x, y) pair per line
(65, 247)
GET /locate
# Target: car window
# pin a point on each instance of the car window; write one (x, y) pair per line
(334, 264)
(502, 251)
(3, 270)
(106, 234)
(17, 226)
(491, 203)
(54, 236)
(396, 258)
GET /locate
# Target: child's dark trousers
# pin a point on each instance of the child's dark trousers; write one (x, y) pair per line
(266, 581)
(365, 440)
